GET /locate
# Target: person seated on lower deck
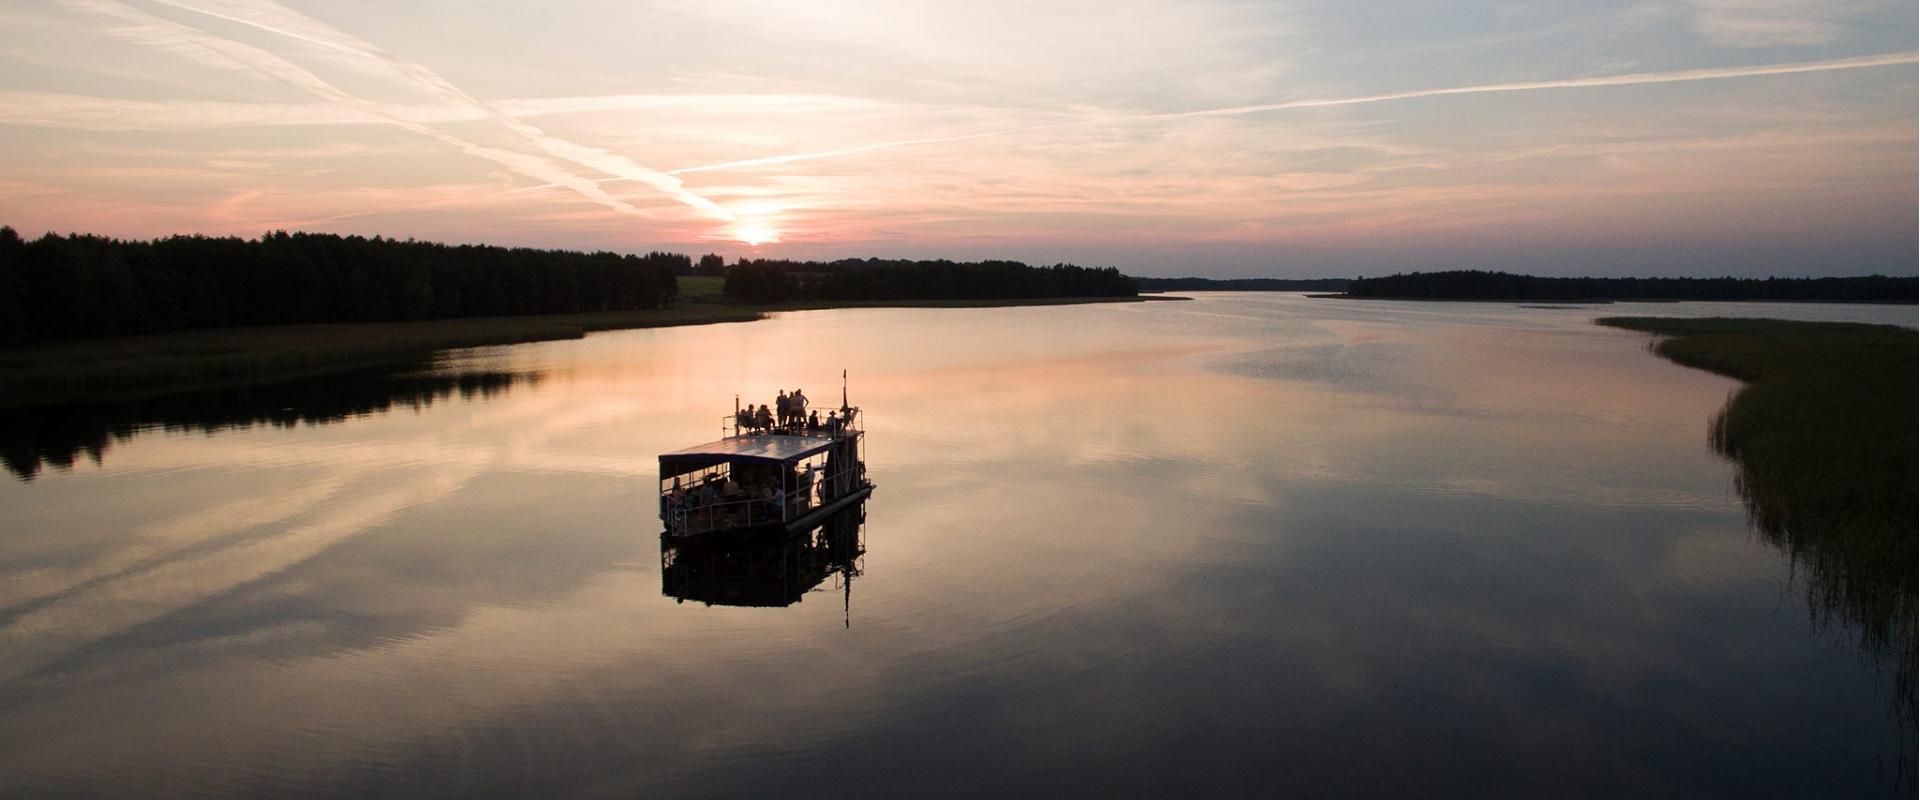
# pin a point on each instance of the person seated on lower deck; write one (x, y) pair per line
(675, 500)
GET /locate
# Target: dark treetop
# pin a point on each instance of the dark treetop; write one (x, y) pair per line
(773, 281)
(66, 287)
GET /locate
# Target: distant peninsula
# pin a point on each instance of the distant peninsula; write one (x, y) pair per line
(1242, 284)
(1502, 286)
(78, 286)
(87, 318)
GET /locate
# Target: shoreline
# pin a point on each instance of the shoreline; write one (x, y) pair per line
(150, 365)
(1821, 435)
(1612, 300)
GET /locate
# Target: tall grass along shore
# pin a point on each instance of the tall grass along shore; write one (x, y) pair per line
(1823, 437)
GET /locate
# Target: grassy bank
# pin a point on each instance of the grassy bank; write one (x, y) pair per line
(1823, 437)
(138, 366)
(132, 367)
(703, 288)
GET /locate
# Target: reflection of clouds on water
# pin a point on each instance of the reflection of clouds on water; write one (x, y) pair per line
(163, 539)
(117, 603)
(1357, 366)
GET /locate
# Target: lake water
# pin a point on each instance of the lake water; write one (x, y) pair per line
(1246, 544)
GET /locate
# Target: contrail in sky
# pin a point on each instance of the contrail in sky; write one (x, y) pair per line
(274, 18)
(193, 43)
(1631, 79)
(210, 48)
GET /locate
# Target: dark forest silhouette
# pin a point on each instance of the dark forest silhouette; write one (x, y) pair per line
(1478, 285)
(66, 287)
(59, 436)
(776, 281)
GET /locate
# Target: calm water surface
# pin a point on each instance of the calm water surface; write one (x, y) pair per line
(1244, 545)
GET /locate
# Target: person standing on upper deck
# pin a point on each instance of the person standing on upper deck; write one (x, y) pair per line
(783, 407)
(798, 403)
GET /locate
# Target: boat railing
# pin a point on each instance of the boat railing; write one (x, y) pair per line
(850, 426)
(688, 516)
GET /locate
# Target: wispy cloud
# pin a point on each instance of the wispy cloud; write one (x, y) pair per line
(1767, 23)
(1631, 79)
(206, 48)
(858, 149)
(168, 36)
(275, 18)
(86, 112)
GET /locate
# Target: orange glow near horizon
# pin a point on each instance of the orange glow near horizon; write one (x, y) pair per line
(755, 233)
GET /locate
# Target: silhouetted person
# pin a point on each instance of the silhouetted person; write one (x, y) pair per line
(783, 407)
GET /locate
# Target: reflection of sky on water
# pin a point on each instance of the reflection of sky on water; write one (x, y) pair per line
(1244, 543)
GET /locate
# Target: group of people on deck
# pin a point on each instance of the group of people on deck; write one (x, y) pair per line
(788, 415)
(730, 498)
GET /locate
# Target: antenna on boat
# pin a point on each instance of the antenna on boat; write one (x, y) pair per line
(843, 390)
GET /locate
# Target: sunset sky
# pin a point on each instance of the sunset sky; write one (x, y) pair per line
(1286, 139)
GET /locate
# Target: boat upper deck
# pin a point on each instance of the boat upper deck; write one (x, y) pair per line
(768, 448)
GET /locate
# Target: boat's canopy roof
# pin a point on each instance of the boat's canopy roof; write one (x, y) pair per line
(762, 449)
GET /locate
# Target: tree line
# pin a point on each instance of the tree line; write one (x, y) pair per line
(1479, 285)
(64, 287)
(1242, 284)
(774, 281)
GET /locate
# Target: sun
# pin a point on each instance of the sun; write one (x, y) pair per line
(755, 233)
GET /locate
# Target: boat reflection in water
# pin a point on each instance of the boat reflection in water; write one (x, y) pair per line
(770, 569)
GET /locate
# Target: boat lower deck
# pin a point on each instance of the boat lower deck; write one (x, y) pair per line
(811, 517)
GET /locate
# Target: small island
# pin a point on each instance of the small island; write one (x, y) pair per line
(1242, 284)
(1502, 286)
